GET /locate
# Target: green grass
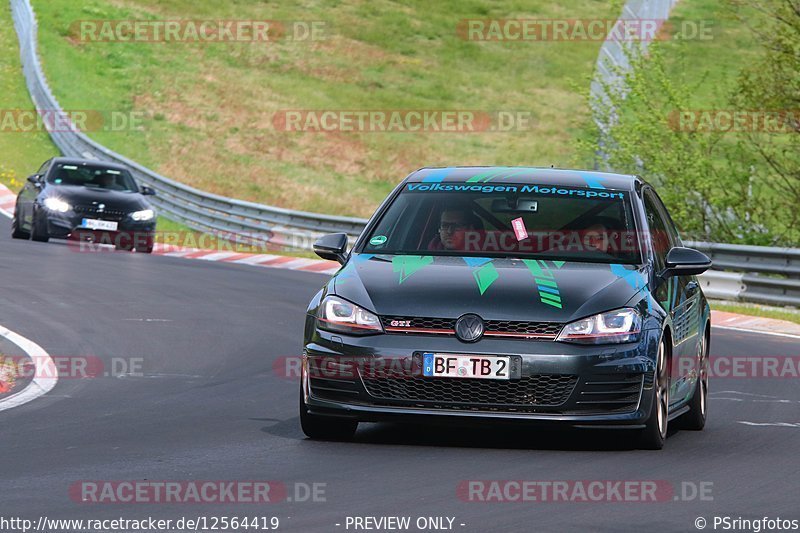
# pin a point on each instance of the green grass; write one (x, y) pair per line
(208, 108)
(709, 65)
(21, 153)
(788, 314)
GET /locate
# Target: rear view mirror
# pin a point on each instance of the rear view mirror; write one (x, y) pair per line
(332, 247)
(147, 191)
(682, 261)
(34, 178)
(514, 205)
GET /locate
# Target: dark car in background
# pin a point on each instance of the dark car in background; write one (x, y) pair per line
(85, 200)
(483, 295)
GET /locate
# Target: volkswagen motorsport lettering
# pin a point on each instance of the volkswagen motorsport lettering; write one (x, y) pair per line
(422, 187)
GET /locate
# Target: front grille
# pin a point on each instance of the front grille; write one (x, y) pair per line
(106, 214)
(510, 328)
(539, 390)
(609, 393)
(494, 328)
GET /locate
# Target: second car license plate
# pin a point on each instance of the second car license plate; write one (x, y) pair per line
(465, 366)
(91, 223)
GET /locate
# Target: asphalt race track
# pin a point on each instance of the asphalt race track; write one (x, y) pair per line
(209, 406)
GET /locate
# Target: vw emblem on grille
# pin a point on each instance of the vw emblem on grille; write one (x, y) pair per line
(469, 328)
(101, 207)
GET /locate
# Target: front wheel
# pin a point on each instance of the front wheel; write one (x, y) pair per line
(39, 228)
(654, 434)
(323, 427)
(145, 244)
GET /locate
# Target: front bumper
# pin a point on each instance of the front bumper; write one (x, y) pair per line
(67, 225)
(378, 378)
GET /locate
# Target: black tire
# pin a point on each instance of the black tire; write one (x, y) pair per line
(695, 419)
(654, 434)
(146, 247)
(323, 427)
(16, 232)
(39, 228)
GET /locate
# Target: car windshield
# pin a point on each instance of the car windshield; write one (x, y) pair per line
(94, 176)
(508, 220)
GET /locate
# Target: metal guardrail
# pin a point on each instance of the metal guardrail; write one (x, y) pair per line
(758, 274)
(235, 219)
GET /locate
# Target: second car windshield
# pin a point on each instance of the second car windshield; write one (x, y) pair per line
(508, 220)
(94, 176)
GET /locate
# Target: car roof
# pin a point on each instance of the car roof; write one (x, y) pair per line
(533, 175)
(87, 162)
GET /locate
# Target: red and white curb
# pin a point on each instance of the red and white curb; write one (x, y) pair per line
(45, 375)
(755, 324)
(7, 201)
(318, 266)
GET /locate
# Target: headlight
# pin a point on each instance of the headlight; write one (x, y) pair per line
(56, 204)
(141, 216)
(336, 314)
(622, 325)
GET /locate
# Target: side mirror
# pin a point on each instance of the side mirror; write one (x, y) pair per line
(147, 191)
(685, 262)
(333, 247)
(34, 179)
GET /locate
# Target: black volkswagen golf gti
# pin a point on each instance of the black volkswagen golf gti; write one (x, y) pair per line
(86, 200)
(481, 295)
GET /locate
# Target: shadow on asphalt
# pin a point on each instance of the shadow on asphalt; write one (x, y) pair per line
(491, 437)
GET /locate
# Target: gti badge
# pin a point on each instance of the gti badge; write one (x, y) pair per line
(469, 328)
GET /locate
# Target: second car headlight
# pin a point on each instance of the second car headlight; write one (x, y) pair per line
(56, 204)
(141, 216)
(621, 325)
(337, 314)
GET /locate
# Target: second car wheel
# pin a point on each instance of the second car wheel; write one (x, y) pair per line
(16, 231)
(39, 228)
(695, 419)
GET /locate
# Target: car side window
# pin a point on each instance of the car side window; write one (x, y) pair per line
(657, 227)
(672, 230)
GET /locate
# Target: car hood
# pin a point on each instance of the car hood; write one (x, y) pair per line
(495, 289)
(116, 200)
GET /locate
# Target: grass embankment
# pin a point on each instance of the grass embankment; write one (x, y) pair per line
(208, 108)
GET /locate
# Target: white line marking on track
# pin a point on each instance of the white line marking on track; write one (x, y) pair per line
(757, 331)
(45, 376)
(774, 424)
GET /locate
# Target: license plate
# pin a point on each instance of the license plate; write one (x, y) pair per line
(465, 366)
(91, 223)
